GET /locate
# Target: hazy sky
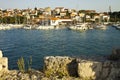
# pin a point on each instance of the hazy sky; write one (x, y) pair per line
(98, 5)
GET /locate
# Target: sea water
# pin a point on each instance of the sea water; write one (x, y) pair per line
(18, 43)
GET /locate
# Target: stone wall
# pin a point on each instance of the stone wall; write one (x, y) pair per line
(3, 62)
(84, 69)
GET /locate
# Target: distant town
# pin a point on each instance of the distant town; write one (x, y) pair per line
(56, 16)
(37, 14)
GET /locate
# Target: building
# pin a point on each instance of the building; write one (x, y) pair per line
(57, 21)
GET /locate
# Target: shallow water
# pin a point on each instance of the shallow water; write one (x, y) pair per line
(40, 43)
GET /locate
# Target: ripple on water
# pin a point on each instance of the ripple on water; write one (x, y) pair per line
(41, 43)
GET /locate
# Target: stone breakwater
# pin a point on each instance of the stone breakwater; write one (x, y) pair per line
(65, 68)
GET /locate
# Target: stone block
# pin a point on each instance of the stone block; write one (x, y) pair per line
(0, 67)
(89, 69)
(1, 55)
(63, 66)
(4, 63)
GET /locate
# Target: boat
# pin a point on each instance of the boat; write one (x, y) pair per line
(101, 26)
(90, 26)
(118, 27)
(41, 27)
(4, 27)
(16, 26)
(28, 27)
(81, 26)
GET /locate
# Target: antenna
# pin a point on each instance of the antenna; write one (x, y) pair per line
(109, 6)
(110, 9)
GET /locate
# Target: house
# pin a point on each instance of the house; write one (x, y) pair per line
(54, 21)
(73, 14)
(47, 10)
(105, 17)
(59, 9)
(62, 14)
(81, 14)
(57, 21)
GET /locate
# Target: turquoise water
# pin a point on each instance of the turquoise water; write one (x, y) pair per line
(40, 43)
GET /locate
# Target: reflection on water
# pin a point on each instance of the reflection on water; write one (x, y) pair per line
(40, 43)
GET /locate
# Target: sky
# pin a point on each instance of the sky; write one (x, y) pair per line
(98, 5)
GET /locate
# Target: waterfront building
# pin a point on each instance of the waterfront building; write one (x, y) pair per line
(57, 21)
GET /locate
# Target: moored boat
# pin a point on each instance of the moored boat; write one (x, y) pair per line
(101, 26)
(28, 27)
(45, 27)
(118, 27)
(82, 26)
(5, 27)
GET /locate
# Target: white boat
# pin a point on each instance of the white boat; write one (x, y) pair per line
(101, 26)
(16, 26)
(5, 27)
(45, 27)
(82, 26)
(28, 27)
(118, 27)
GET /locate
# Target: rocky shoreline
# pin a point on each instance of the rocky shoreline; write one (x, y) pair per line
(67, 68)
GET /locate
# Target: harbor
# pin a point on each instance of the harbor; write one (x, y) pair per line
(60, 40)
(41, 32)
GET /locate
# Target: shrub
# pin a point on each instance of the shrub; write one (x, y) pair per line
(21, 64)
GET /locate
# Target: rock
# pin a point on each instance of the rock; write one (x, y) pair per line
(45, 78)
(61, 66)
(115, 55)
(89, 69)
(34, 77)
(4, 63)
(65, 68)
(1, 55)
(35, 74)
(0, 67)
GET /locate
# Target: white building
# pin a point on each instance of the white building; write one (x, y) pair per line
(56, 21)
